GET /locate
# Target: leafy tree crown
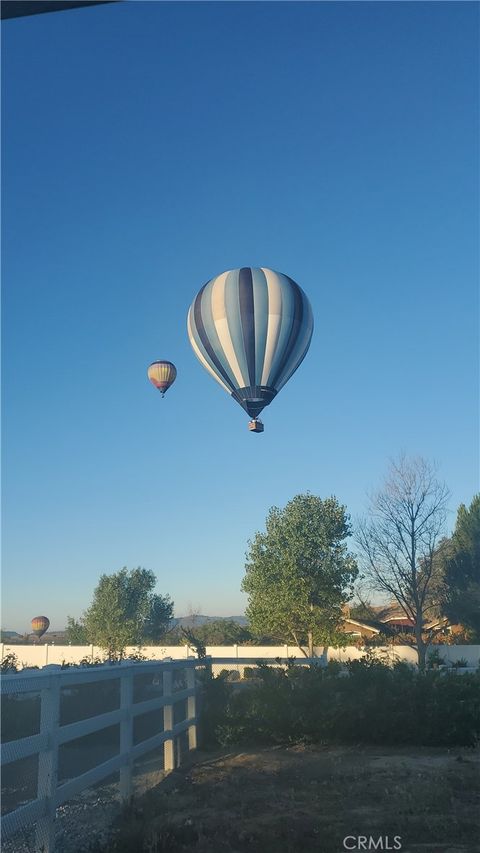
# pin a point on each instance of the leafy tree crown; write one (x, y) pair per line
(299, 571)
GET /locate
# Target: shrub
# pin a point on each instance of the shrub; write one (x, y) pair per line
(435, 660)
(212, 703)
(230, 674)
(250, 672)
(89, 661)
(374, 704)
(137, 656)
(10, 663)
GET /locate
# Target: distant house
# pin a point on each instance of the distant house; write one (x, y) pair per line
(400, 626)
(359, 629)
(393, 621)
(388, 620)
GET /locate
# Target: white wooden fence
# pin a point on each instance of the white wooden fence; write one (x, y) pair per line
(49, 683)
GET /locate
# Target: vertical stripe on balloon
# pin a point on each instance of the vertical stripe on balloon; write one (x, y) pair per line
(300, 349)
(245, 292)
(286, 322)
(205, 341)
(260, 313)
(294, 331)
(274, 322)
(219, 317)
(198, 350)
(232, 306)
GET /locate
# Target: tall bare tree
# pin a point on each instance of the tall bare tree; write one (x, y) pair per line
(399, 539)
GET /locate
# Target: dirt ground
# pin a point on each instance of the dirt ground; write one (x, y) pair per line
(311, 798)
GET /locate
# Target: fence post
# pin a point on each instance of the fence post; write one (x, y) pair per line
(126, 732)
(191, 708)
(48, 764)
(168, 756)
(209, 667)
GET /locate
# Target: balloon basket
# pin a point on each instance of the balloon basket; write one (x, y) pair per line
(255, 426)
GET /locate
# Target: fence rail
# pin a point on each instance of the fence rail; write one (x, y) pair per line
(52, 735)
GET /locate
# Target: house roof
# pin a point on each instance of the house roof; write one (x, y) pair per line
(361, 624)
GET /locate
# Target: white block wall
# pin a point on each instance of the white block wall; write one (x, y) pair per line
(30, 655)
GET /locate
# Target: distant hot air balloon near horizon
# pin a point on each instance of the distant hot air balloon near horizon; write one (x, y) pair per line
(40, 624)
(251, 328)
(162, 374)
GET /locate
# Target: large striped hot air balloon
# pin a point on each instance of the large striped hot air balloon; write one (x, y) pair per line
(162, 374)
(251, 329)
(40, 624)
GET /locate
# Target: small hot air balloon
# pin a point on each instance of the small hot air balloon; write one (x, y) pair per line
(251, 328)
(162, 374)
(40, 624)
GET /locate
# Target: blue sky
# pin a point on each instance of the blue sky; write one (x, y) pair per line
(147, 147)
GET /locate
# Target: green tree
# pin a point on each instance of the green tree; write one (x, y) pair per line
(399, 541)
(222, 632)
(362, 611)
(75, 632)
(126, 612)
(461, 564)
(299, 573)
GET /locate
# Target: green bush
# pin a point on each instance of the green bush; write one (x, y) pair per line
(367, 702)
(251, 672)
(212, 699)
(9, 663)
(230, 674)
(434, 660)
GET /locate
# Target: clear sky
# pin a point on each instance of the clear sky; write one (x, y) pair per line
(147, 147)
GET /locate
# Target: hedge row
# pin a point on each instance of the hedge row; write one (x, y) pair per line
(366, 702)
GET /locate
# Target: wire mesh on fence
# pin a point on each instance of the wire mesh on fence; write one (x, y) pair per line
(241, 669)
(20, 716)
(69, 734)
(147, 686)
(19, 783)
(82, 701)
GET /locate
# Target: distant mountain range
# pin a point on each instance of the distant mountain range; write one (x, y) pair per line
(189, 621)
(182, 621)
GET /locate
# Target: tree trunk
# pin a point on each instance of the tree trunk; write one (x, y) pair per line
(421, 648)
(422, 653)
(310, 636)
(310, 644)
